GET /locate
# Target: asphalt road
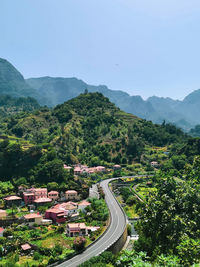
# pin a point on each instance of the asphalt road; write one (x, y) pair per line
(115, 230)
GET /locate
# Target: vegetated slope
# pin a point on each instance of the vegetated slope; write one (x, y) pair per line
(10, 105)
(167, 108)
(12, 83)
(195, 132)
(156, 109)
(190, 107)
(58, 90)
(90, 129)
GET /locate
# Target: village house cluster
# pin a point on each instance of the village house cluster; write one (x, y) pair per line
(63, 209)
(85, 170)
(53, 207)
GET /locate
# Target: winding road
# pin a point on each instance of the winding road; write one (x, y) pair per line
(114, 231)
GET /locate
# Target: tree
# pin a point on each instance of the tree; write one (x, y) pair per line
(132, 258)
(170, 215)
(79, 243)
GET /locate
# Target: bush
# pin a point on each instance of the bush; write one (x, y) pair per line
(60, 229)
(36, 256)
(129, 229)
(79, 243)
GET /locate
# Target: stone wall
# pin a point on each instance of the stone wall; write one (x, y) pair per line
(119, 244)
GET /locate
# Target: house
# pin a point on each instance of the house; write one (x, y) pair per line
(83, 204)
(76, 229)
(32, 194)
(77, 170)
(100, 169)
(68, 208)
(28, 198)
(56, 215)
(54, 195)
(68, 168)
(116, 167)
(71, 195)
(42, 201)
(79, 229)
(71, 209)
(154, 164)
(33, 218)
(60, 212)
(1, 231)
(3, 214)
(39, 192)
(26, 248)
(12, 201)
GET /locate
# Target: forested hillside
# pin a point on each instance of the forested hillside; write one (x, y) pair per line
(91, 129)
(154, 108)
(11, 105)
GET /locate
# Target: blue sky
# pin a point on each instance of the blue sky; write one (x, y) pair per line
(144, 47)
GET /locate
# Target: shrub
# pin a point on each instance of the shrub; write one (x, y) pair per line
(129, 229)
(36, 255)
(79, 243)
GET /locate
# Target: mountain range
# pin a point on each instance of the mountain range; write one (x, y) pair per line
(51, 91)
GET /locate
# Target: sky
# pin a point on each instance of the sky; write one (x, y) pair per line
(143, 47)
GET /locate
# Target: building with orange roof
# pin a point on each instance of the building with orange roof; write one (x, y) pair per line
(13, 201)
(79, 229)
(33, 218)
(56, 215)
(26, 247)
(54, 195)
(42, 201)
(71, 195)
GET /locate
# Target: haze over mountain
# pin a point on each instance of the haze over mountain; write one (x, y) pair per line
(52, 91)
(157, 109)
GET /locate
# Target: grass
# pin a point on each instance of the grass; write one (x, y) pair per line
(130, 211)
(51, 240)
(145, 191)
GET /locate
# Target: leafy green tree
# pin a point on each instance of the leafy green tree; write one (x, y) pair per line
(169, 215)
(189, 251)
(131, 258)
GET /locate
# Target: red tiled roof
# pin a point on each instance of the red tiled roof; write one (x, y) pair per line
(32, 216)
(71, 191)
(25, 246)
(84, 203)
(12, 198)
(74, 226)
(54, 210)
(53, 192)
(43, 200)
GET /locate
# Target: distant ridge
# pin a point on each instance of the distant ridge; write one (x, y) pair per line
(157, 109)
(52, 91)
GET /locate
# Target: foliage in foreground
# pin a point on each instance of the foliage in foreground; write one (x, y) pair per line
(170, 220)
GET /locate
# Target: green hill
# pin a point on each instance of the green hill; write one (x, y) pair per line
(13, 83)
(90, 129)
